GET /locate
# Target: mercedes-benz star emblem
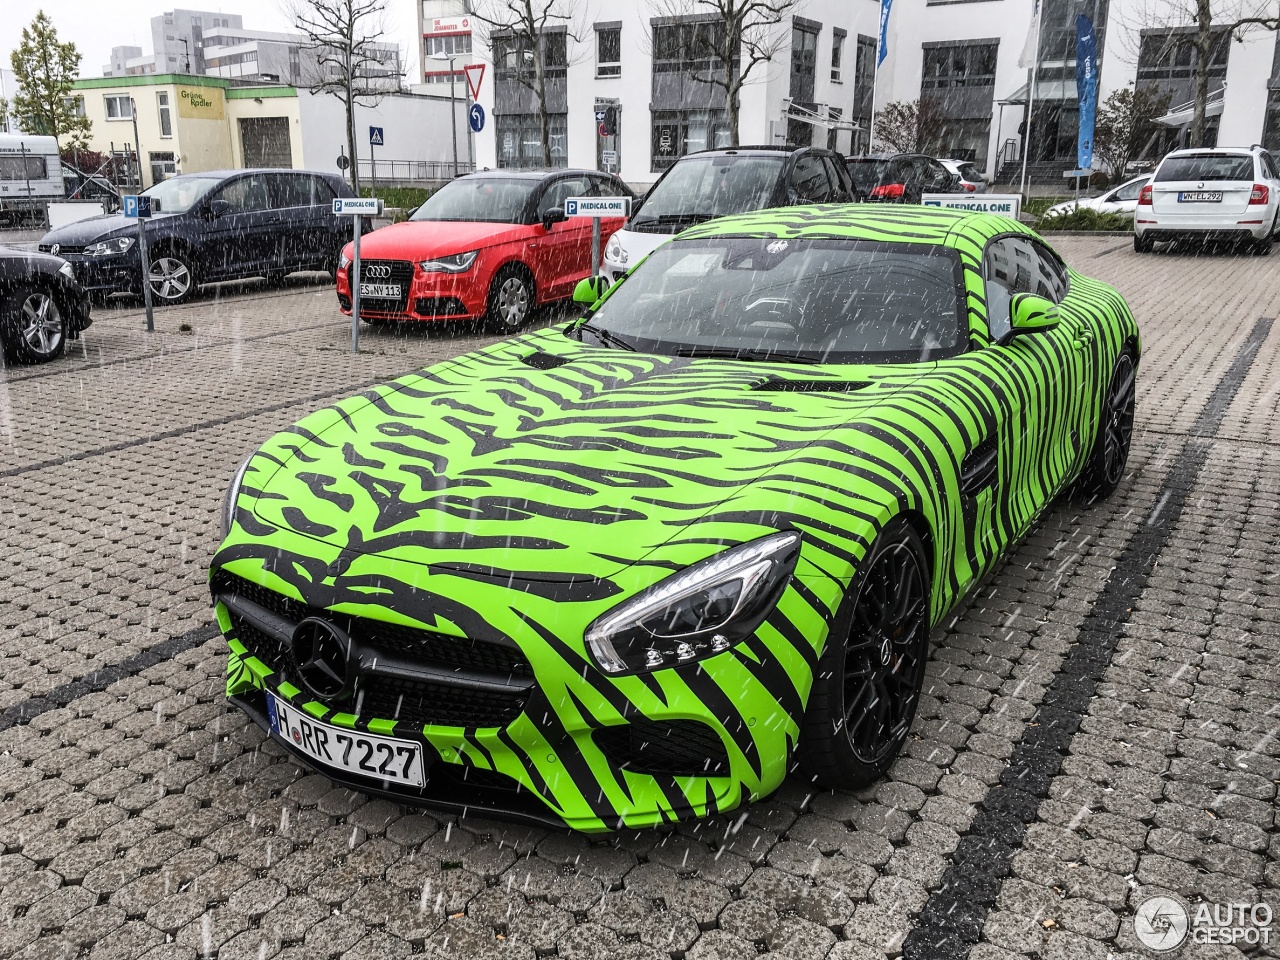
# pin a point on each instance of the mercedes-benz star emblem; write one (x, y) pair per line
(378, 271)
(321, 653)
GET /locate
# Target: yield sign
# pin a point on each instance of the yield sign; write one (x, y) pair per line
(475, 73)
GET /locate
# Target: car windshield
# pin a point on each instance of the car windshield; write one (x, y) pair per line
(702, 188)
(865, 172)
(1206, 166)
(821, 301)
(480, 199)
(178, 194)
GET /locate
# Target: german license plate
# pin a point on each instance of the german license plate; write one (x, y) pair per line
(380, 291)
(1200, 196)
(362, 754)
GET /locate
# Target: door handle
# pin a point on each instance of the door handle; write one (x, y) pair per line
(979, 467)
(1083, 338)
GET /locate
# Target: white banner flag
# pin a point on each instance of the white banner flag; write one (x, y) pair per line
(1027, 60)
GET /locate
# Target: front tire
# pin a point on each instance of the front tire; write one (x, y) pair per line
(1104, 469)
(510, 300)
(32, 325)
(172, 277)
(870, 675)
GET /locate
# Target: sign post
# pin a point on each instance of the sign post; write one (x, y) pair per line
(139, 203)
(375, 140)
(357, 208)
(595, 208)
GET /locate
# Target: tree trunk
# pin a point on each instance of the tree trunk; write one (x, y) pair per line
(1204, 45)
(349, 103)
(733, 43)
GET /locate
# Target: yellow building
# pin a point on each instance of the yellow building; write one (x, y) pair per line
(187, 124)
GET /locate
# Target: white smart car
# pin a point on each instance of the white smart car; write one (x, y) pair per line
(1121, 199)
(1219, 193)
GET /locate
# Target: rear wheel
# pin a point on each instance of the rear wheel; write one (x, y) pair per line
(1105, 467)
(32, 326)
(510, 300)
(869, 677)
(1143, 244)
(173, 276)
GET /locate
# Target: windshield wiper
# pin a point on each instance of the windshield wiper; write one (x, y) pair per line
(764, 356)
(669, 219)
(605, 337)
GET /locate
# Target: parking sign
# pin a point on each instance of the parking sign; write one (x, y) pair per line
(135, 207)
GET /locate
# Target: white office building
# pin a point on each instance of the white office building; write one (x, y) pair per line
(961, 56)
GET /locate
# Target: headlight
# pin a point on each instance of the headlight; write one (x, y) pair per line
(229, 502)
(67, 271)
(697, 613)
(108, 248)
(458, 263)
(343, 260)
(613, 251)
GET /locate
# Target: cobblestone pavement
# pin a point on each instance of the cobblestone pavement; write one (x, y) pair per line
(1133, 644)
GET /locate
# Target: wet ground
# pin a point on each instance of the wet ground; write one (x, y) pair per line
(1100, 723)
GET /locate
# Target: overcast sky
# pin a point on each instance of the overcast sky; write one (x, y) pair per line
(95, 26)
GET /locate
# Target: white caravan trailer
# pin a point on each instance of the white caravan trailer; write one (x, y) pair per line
(30, 174)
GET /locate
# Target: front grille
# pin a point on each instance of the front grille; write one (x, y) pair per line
(63, 248)
(416, 702)
(439, 307)
(675, 747)
(399, 272)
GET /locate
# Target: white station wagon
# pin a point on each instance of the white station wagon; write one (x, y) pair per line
(1220, 193)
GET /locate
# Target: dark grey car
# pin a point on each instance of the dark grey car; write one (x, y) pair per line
(41, 306)
(222, 225)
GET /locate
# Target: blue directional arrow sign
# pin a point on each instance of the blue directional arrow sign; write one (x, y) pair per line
(475, 116)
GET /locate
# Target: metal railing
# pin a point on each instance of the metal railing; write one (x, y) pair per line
(410, 170)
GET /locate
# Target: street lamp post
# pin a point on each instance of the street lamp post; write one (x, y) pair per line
(453, 108)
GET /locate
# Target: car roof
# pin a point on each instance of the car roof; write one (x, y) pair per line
(757, 149)
(893, 224)
(224, 174)
(522, 174)
(1222, 151)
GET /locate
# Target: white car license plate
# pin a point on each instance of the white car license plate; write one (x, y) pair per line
(380, 291)
(363, 754)
(1200, 196)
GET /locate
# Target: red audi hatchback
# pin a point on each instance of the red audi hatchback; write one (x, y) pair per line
(490, 245)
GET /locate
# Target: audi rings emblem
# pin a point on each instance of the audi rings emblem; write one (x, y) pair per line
(322, 655)
(378, 271)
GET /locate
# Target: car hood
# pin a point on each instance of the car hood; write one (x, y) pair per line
(1086, 203)
(88, 231)
(424, 239)
(640, 245)
(566, 471)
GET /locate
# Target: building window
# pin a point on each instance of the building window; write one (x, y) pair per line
(688, 47)
(864, 78)
(75, 105)
(608, 51)
(959, 65)
(1171, 55)
(451, 45)
(804, 61)
(837, 53)
(677, 132)
(513, 56)
(119, 106)
(519, 138)
(166, 119)
(163, 165)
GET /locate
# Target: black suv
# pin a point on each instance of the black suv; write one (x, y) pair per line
(717, 183)
(900, 177)
(211, 226)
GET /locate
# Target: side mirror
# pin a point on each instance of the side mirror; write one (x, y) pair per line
(552, 217)
(589, 290)
(219, 208)
(1031, 314)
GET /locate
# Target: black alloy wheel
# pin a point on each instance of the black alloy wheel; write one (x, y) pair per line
(870, 676)
(1110, 454)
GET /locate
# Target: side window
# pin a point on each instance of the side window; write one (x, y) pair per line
(247, 195)
(1018, 265)
(1051, 278)
(560, 191)
(608, 187)
(841, 187)
(291, 190)
(324, 193)
(809, 180)
(1129, 191)
(1268, 165)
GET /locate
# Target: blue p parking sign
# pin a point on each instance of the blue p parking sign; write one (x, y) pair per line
(135, 207)
(571, 207)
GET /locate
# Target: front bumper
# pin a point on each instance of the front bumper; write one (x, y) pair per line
(430, 296)
(106, 275)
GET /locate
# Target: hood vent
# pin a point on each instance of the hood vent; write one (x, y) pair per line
(783, 385)
(545, 361)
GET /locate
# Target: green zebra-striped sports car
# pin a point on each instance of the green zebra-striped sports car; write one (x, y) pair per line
(626, 569)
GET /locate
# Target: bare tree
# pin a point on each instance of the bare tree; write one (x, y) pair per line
(909, 126)
(1125, 120)
(1212, 22)
(526, 38)
(732, 37)
(345, 56)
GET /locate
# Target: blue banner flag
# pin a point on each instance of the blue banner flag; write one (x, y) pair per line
(1086, 88)
(884, 31)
